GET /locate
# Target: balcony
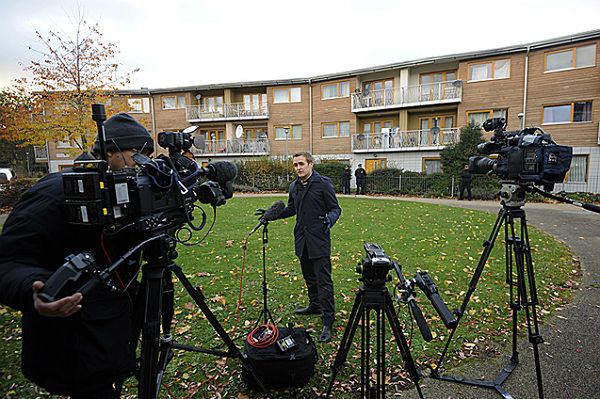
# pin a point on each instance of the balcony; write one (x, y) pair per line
(410, 96)
(40, 152)
(226, 112)
(234, 147)
(408, 140)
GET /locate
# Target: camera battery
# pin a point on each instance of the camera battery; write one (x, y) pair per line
(286, 343)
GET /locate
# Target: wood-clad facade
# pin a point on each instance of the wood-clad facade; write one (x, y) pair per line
(399, 115)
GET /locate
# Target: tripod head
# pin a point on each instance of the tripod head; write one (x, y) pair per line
(513, 195)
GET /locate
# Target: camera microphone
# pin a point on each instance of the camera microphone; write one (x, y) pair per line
(221, 171)
(270, 214)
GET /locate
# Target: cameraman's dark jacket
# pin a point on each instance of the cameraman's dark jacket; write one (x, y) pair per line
(93, 346)
(310, 204)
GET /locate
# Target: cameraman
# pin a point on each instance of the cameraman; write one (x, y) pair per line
(312, 199)
(76, 346)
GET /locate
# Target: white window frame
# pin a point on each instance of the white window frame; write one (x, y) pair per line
(585, 172)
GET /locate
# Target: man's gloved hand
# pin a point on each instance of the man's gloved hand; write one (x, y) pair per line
(326, 221)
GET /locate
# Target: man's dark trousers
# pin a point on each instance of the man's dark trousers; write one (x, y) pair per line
(317, 274)
(465, 186)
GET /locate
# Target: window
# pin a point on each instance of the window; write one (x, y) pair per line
(437, 85)
(213, 104)
(374, 164)
(141, 105)
(173, 102)
(432, 165)
(336, 129)
(336, 90)
(291, 95)
(478, 117)
(567, 113)
(499, 69)
(378, 93)
(294, 132)
(578, 57)
(66, 143)
(578, 171)
(255, 102)
(251, 134)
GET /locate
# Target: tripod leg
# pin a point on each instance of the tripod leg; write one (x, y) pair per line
(489, 245)
(148, 387)
(342, 354)
(199, 298)
(526, 275)
(402, 344)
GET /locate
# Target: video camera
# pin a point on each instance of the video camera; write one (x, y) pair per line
(156, 195)
(529, 156)
(374, 269)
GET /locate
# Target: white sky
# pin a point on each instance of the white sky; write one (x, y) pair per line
(191, 42)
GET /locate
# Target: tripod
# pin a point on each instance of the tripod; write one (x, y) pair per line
(522, 290)
(373, 298)
(157, 351)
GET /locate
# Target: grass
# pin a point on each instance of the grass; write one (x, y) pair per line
(445, 241)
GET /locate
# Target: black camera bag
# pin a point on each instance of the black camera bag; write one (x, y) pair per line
(282, 369)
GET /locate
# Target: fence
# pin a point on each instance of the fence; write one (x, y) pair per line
(438, 185)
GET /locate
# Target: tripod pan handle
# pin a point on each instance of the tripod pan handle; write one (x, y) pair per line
(421, 322)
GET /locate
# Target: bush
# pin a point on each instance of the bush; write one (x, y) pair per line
(12, 192)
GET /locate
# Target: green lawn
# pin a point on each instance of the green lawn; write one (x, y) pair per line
(445, 241)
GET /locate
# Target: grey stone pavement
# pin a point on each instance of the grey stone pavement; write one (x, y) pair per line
(570, 356)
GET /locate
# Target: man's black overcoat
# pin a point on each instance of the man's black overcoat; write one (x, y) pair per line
(310, 204)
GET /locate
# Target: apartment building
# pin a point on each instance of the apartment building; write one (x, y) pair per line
(399, 115)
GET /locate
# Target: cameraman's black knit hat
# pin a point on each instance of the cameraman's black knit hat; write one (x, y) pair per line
(123, 132)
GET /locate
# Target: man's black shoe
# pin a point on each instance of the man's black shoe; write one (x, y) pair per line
(326, 334)
(308, 310)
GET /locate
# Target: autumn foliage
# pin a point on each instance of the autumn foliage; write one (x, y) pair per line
(68, 75)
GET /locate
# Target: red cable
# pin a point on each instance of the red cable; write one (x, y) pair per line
(260, 342)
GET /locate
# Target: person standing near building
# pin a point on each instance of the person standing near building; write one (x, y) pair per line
(361, 176)
(465, 183)
(312, 199)
(346, 176)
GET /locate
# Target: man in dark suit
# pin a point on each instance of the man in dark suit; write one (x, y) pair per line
(312, 199)
(361, 176)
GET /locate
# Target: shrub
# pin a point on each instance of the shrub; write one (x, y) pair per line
(12, 192)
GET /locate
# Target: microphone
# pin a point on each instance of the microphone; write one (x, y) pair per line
(270, 214)
(221, 171)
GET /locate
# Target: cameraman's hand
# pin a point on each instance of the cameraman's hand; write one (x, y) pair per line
(64, 307)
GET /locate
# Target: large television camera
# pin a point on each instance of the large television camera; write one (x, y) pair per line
(529, 156)
(155, 195)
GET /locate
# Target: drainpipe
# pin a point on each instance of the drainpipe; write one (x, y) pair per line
(525, 88)
(152, 116)
(310, 118)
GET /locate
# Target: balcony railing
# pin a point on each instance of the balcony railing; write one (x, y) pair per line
(234, 147)
(197, 113)
(40, 152)
(436, 93)
(397, 140)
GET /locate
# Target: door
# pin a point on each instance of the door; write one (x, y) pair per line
(374, 164)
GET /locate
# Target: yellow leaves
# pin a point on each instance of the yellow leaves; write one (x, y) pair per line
(218, 299)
